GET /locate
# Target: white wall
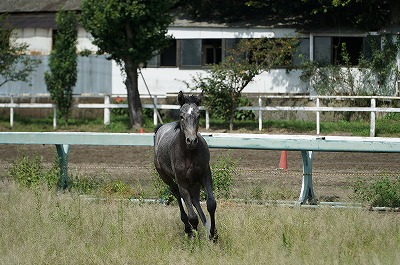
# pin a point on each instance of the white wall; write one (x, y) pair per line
(170, 80)
(38, 39)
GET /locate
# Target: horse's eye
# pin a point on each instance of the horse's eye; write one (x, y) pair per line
(181, 117)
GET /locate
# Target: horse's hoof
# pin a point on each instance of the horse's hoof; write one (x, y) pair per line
(214, 237)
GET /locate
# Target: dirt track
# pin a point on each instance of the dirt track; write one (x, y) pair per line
(334, 173)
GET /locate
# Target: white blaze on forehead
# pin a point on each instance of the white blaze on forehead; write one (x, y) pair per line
(190, 110)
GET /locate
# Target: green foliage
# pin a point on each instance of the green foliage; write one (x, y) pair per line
(128, 29)
(131, 33)
(223, 173)
(225, 82)
(374, 75)
(119, 188)
(382, 192)
(30, 172)
(15, 65)
(84, 185)
(62, 77)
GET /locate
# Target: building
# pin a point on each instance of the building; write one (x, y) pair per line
(196, 45)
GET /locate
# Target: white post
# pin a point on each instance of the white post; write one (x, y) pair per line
(207, 120)
(155, 119)
(260, 114)
(11, 112)
(373, 117)
(318, 119)
(107, 110)
(55, 117)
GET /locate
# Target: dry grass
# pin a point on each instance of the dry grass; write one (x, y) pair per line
(41, 227)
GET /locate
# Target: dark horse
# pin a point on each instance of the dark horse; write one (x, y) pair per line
(181, 157)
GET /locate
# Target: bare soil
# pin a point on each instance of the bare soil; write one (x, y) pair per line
(334, 174)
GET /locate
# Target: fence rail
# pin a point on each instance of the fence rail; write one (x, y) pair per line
(306, 144)
(107, 106)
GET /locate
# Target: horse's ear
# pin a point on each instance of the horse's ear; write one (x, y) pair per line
(200, 98)
(181, 98)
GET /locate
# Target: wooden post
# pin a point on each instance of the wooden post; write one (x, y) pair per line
(373, 118)
(260, 114)
(107, 110)
(318, 119)
(11, 111)
(55, 117)
(207, 119)
(155, 121)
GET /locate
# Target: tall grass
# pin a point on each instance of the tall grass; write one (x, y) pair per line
(43, 227)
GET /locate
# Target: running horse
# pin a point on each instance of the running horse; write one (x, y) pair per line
(181, 157)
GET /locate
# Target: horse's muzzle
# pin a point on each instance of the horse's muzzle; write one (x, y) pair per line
(191, 142)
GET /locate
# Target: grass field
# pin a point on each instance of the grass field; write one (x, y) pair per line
(44, 227)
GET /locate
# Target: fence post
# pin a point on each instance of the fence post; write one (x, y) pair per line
(11, 111)
(207, 120)
(318, 118)
(55, 117)
(373, 117)
(260, 114)
(155, 120)
(107, 110)
(62, 153)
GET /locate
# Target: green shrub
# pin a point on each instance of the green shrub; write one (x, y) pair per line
(382, 192)
(30, 172)
(84, 185)
(223, 172)
(120, 189)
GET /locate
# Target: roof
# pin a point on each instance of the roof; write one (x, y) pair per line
(29, 6)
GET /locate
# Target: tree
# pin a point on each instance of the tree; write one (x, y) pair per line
(374, 75)
(62, 77)
(15, 65)
(131, 32)
(225, 82)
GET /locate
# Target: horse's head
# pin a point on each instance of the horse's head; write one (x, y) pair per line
(189, 118)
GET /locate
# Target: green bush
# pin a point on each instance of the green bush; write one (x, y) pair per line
(30, 172)
(223, 172)
(382, 192)
(84, 185)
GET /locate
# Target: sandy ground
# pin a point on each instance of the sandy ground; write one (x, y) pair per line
(334, 173)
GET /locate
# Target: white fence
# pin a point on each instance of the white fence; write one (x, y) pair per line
(107, 106)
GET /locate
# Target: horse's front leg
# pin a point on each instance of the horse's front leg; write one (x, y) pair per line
(211, 203)
(192, 216)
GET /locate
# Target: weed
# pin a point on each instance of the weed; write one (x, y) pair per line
(30, 172)
(223, 173)
(383, 192)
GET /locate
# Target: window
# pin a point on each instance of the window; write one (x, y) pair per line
(354, 47)
(212, 51)
(329, 49)
(191, 53)
(302, 53)
(168, 56)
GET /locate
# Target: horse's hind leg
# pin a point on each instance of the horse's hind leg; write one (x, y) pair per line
(175, 191)
(211, 204)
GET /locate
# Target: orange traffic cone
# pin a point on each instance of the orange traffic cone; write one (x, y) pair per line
(283, 161)
(141, 130)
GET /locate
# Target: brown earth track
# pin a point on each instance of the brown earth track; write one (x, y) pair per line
(334, 173)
